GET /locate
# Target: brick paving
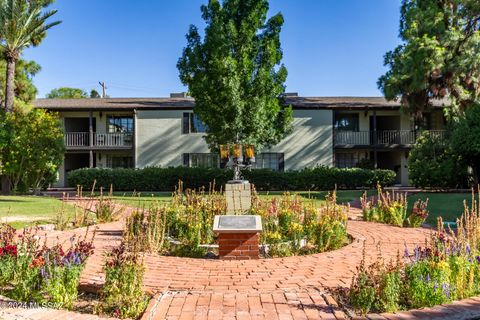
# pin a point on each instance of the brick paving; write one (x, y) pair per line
(281, 288)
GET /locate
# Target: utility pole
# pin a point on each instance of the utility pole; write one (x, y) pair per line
(104, 88)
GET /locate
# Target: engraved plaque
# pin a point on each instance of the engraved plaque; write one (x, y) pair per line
(237, 224)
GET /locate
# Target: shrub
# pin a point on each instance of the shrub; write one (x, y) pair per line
(432, 164)
(122, 294)
(387, 207)
(418, 215)
(31, 160)
(35, 273)
(376, 287)
(165, 179)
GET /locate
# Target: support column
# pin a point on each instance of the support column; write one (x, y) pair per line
(90, 130)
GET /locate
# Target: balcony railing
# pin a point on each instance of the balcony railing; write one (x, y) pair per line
(81, 140)
(381, 137)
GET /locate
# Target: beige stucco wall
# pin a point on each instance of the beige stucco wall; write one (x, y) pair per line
(311, 142)
(160, 141)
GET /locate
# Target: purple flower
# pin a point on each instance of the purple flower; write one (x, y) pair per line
(478, 259)
(446, 290)
(427, 279)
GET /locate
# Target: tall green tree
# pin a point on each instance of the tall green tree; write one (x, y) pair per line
(235, 73)
(465, 139)
(31, 162)
(23, 23)
(25, 70)
(67, 93)
(439, 56)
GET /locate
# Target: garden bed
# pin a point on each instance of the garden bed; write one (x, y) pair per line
(445, 269)
(290, 226)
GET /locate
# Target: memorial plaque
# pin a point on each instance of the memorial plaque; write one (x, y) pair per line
(240, 223)
(237, 222)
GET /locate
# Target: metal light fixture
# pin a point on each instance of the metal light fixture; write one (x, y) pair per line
(233, 155)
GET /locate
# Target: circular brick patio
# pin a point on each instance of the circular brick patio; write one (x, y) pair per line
(279, 288)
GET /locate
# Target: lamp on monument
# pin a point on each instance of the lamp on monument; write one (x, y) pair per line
(249, 154)
(224, 153)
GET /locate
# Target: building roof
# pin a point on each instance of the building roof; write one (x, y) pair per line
(340, 103)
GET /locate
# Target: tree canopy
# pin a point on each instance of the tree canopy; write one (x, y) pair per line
(25, 70)
(30, 162)
(439, 56)
(235, 73)
(67, 93)
(465, 139)
(23, 23)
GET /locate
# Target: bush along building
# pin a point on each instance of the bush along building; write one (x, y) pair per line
(343, 132)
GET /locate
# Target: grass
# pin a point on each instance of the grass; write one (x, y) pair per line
(447, 205)
(143, 199)
(31, 210)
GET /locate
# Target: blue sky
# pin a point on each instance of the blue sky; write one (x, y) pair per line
(331, 47)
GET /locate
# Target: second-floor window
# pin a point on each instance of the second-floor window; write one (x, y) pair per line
(192, 124)
(119, 124)
(346, 121)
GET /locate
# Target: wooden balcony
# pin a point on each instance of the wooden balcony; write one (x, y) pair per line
(380, 139)
(98, 141)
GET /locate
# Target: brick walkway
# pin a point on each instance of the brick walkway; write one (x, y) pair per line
(282, 288)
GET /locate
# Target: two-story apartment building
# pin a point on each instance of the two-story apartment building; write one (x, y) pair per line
(142, 132)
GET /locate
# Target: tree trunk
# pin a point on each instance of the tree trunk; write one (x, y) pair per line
(6, 190)
(10, 87)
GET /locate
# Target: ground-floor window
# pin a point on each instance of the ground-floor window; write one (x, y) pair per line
(201, 160)
(119, 161)
(346, 160)
(270, 160)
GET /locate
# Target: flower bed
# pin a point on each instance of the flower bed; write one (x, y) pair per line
(33, 272)
(391, 208)
(447, 268)
(184, 226)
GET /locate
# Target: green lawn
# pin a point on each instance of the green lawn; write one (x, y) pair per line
(447, 205)
(144, 199)
(22, 211)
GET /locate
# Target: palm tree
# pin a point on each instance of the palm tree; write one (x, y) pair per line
(23, 23)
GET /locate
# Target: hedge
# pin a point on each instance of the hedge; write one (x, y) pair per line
(165, 179)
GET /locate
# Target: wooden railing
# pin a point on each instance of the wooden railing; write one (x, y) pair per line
(98, 140)
(381, 137)
(112, 139)
(77, 139)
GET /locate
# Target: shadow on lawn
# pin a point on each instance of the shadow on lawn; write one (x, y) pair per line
(11, 200)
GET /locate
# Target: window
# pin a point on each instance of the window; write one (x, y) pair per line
(201, 160)
(346, 160)
(271, 160)
(119, 162)
(346, 121)
(192, 124)
(119, 124)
